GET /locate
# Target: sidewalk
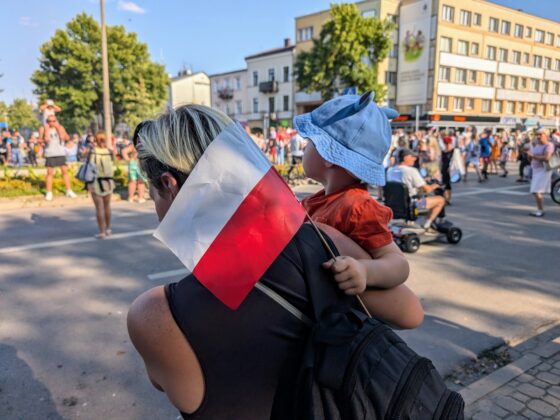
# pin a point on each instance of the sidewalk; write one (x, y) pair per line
(33, 201)
(527, 388)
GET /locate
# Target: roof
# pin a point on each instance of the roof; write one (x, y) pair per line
(186, 76)
(227, 72)
(271, 52)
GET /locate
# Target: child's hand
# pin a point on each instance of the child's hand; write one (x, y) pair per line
(350, 274)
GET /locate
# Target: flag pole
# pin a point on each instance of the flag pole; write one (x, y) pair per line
(333, 256)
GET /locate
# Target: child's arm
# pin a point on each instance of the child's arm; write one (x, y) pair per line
(386, 268)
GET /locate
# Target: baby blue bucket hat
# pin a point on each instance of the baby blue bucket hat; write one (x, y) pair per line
(352, 132)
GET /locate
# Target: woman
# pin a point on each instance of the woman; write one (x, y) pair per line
(446, 155)
(101, 189)
(135, 178)
(540, 181)
(71, 149)
(210, 361)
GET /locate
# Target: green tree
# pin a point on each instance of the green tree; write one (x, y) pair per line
(21, 115)
(346, 54)
(70, 74)
(3, 111)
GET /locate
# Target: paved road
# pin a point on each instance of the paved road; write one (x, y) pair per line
(64, 350)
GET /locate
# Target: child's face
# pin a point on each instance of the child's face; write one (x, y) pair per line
(313, 164)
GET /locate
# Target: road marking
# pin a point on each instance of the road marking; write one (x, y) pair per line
(127, 214)
(166, 274)
(65, 242)
(488, 190)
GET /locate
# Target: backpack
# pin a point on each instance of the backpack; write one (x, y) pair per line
(355, 367)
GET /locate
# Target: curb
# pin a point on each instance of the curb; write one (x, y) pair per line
(479, 389)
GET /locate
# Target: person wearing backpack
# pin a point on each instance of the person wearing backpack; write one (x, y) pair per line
(101, 188)
(213, 362)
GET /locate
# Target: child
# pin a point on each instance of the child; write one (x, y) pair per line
(349, 137)
(504, 156)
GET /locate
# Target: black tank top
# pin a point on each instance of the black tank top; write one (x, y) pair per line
(245, 353)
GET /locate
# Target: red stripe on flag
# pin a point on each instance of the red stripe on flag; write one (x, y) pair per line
(251, 240)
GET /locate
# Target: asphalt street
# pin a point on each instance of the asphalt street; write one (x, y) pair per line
(65, 352)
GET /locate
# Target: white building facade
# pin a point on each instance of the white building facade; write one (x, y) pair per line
(189, 88)
(270, 88)
(229, 94)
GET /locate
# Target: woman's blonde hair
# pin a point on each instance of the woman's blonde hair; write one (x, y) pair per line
(100, 139)
(177, 139)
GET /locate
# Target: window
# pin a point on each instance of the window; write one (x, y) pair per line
(534, 86)
(537, 61)
(516, 57)
(513, 82)
(557, 65)
(462, 47)
(448, 13)
(558, 41)
(555, 88)
(493, 24)
(539, 35)
(541, 109)
(215, 85)
(505, 27)
(528, 32)
(525, 58)
(394, 53)
(255, 105)
(501, 81)
(474, 48)
(227, 109)
(510, 107)
(547, 63)
(391, 77)
(225, 83)
(549, 38)
(286, 103)
(544, 86)
(486, 105)
(369, 13)
(271, 105)
(472, 76)
(477, 19)
(490, 52)
(238, 107)
(465, 18)
(519, 107)
(488, 79)
(502, 55)
(524, 83)
(393, 18)
(305, 34)
(460, 76)
(442, 102)
(445, 44)
(238, 83)
(469, 103)
(271, 75)
(518, 31)
(531, 108)
(444, 74)
(286, 72)
(255, 78)
(458, 104)
(498, 107)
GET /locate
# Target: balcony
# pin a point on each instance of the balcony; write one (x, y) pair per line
(225, 93)
(268, 87)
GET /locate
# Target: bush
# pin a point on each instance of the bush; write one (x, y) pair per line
(15, 187)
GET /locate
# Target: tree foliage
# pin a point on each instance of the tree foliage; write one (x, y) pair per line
(70, 73)
(21, 115)
(346, 54)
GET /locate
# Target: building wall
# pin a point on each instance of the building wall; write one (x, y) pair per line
(506, 100)
(236, 107)
(262, 65)
(190, 89)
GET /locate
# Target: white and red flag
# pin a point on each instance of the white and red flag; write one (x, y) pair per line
(232, 217)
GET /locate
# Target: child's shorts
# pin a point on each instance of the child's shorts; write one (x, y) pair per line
(134, 172)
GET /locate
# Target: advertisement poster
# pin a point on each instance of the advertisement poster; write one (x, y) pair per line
(414, 50)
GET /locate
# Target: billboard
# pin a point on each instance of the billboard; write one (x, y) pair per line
(414, 51)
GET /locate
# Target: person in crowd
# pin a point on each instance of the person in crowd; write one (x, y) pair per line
(85, 144)
(296, 151)
(101, 189)
(272, 150)
(53, 135)
(347, 139)
(541, 178)
(504, 156)
(408, 175)
(32, 146)
(48, 108)
(17, 149)
(433, 156)
(136, 180)
(494, 153)
(485, 151)
(281, 141)
(71, 149)
(446, 156)
(6, 148)
(197, 351)
(472, 157)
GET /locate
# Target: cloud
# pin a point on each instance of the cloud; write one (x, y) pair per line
(129, 6)
(27, 21)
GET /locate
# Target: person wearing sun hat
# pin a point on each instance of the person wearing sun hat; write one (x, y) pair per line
(348, 138)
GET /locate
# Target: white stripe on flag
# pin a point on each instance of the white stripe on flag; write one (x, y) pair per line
(227, 172)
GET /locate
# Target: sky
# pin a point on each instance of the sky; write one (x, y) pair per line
(212, 36)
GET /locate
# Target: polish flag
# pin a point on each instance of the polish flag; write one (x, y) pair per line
(232, 218)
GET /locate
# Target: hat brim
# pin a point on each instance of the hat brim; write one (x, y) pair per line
(332, 151)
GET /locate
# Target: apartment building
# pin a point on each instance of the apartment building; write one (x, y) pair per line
(270, 87)
(309, 26)
(488, 65)
(229, 93)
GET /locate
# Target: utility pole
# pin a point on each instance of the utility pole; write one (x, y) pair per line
(106, 94)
